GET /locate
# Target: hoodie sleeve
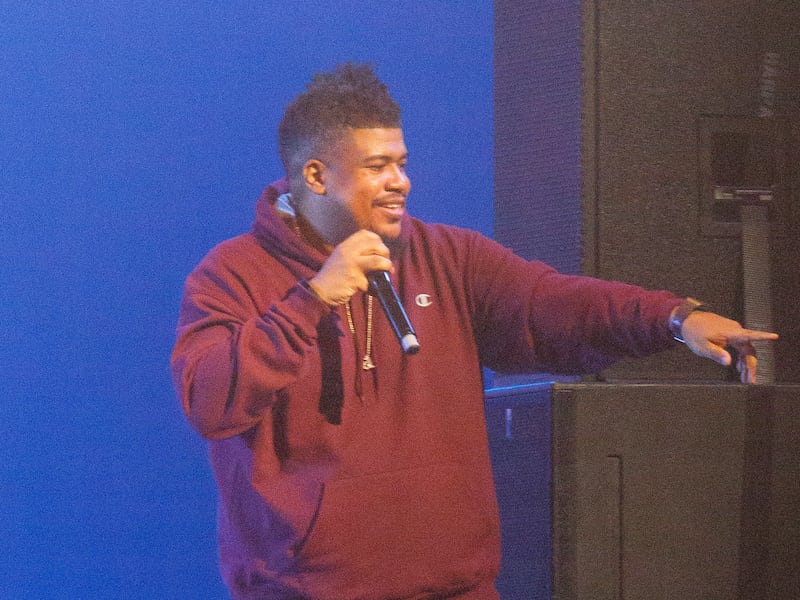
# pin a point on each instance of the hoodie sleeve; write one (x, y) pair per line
(243, 335)
(530, 317)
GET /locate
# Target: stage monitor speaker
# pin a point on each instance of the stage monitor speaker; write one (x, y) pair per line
(676, 491)
(646, 491)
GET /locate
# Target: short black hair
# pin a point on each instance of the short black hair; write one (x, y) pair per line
(350, 96)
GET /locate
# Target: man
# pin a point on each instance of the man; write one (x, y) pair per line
(348, 469)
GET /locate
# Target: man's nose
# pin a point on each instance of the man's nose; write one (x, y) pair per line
(398, 180)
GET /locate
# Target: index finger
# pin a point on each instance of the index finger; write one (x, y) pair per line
(751, 335)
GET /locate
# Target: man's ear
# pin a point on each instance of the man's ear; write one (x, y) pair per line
(314, 176)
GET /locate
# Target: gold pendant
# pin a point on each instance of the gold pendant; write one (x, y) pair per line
(367, 364)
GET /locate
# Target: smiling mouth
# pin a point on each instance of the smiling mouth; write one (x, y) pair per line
(393, 205)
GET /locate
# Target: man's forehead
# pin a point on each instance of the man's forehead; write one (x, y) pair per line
(363, 143)
(375, 137)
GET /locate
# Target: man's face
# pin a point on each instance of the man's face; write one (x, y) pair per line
(367, 178)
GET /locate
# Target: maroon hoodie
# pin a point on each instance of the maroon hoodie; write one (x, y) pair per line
(338, 483)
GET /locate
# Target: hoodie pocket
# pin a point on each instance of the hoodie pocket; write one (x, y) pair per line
(431, 529)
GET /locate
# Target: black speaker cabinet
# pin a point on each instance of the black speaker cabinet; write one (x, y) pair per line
(633, 140)
(648, 491)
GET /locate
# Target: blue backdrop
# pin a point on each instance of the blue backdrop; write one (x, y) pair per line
(136, 135)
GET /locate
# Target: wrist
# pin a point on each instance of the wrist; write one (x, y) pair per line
(680, 313)
(313, 291)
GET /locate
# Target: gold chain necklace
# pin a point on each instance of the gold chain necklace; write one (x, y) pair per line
(366, 362)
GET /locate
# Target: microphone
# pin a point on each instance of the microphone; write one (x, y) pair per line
(381, 287)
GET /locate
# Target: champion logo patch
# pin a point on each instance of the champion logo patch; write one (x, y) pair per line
(423, 300)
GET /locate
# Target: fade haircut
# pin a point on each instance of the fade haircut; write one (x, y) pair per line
(351, 96)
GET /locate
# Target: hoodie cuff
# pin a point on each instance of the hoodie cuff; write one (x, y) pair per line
(303, 308)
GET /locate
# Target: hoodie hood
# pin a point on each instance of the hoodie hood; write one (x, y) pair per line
(276, 236)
